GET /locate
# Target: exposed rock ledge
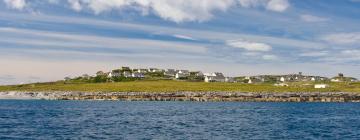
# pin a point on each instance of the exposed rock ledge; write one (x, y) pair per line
(188, 96)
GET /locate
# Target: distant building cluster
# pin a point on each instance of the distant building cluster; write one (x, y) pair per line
(173, 74)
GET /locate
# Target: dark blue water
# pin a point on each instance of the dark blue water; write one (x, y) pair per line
(177, 120)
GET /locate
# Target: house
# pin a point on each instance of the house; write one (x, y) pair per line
(255, 79)
(214, 77)
(127, 74)
(182, 74)
(152, 69)
(321, 86)
(282, 79)
(115, 73)
(170, 72)
(142, 70)
(137, 75)
(248, 80)
(155, 70)
(125, 69)
(313, 79)
(197, 74)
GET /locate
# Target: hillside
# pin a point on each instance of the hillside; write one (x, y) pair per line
(173, 86)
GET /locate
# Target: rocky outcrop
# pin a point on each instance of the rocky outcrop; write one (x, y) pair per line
(188, 96)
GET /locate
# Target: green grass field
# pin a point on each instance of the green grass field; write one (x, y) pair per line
(171, 86)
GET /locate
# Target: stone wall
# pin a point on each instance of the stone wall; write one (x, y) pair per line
(188, 96)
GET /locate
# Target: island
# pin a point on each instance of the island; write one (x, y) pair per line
(152, 84)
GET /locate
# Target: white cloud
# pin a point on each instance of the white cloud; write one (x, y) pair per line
(252, 3)
(342, 38)
(66, 41)
(15, 4)
(250, 46)
(75, 5)
(269, 57)
(177, 10)
(272, 5)
(278, 5)
(184, 37)
(312, 18)
(198, 34)
(172, 10)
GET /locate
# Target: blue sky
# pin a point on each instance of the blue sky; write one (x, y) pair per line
(45, 40)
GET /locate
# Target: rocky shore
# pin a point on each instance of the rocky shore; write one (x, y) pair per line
(188, 96)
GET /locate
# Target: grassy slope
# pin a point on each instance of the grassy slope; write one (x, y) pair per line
(160, 86)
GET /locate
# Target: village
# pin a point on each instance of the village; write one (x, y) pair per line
(128, 74)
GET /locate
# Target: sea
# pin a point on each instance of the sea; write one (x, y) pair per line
(48, 120)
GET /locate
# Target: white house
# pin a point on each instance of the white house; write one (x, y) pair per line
(198, 74)
(249, 80)
(153, 69)
(142, 70)
(114, 74)
(182, 74)
(137, 75)
(170, 72)
(214, 77)
(282, 79)
(127, 74)
(321, 86)
(313, 79)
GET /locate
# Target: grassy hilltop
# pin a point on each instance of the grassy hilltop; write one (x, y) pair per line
(172, 86)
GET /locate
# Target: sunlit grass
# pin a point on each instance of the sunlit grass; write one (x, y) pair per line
(173, 86)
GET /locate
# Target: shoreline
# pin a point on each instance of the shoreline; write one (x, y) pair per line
(187, 96)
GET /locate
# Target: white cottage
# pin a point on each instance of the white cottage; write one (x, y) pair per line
(127, 74)
(114, 74)
(182, 74)
(138, 75)
(170, 72)
(282, 79)
(214, 77)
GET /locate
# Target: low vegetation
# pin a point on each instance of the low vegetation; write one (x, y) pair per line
(174, 86)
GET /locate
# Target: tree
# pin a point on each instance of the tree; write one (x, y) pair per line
(100, 79)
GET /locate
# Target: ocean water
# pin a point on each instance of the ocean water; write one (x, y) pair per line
(38, 119)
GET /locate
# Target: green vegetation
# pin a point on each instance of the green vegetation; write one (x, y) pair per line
(173, 86)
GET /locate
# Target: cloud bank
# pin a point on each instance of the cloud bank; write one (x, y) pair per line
(15, 4)
(172, 10)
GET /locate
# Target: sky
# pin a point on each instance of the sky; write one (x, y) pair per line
(47, 40)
